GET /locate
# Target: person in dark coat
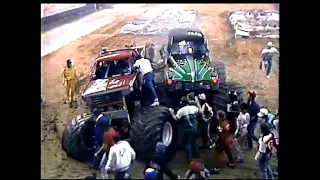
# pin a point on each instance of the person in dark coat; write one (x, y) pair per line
(103, 122)
(159, 163)
(253, 109)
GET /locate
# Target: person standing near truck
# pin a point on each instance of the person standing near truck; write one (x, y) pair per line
(120, 158)
(69, 79)
(158, 165)
(102, 123)
(253, 109)
(146, 71)
(108, 143)
(207, 113)
(223, 144)
(241, 132)
(187, 114)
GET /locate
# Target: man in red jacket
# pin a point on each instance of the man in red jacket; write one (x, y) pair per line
(223, 143)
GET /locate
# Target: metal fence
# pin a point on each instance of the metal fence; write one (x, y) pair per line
(53, 21)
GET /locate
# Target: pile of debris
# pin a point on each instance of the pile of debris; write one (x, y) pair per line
(255, 24)
(160, 21)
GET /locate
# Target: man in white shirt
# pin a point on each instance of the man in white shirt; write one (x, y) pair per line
(146, 71)
(187, 114)
(264, 152)
(267, 57)
(121, 156)
(241, 133)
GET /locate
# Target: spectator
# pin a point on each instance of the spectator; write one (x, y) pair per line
(264, 153)
(267, 57)
(253, 109)
(241, 132)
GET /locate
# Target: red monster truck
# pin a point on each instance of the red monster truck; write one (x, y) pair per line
(114, 87)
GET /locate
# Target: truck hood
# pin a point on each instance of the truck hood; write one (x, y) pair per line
(109, 85)
(190, 69)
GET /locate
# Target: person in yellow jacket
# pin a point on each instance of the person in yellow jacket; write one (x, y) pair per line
(69, 79)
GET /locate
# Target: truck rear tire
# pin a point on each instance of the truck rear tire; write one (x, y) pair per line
(152, 125)
(221, 70)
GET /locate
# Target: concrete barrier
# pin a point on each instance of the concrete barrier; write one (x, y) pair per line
(53, 21)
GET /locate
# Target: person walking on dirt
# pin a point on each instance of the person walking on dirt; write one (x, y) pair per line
(267, 57)
(120, 158)
(263, 156)
(159, 164)
(273, 122)
(223, 143)
(241, 132)
(146, 71)
(187, 116)
(69, 79)
(207, 113)
(197, 171)
(103, 122)
(253, 109)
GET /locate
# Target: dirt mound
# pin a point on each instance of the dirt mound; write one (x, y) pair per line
(241, 58)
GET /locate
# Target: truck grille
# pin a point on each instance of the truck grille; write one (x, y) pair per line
(192, 86)
(107, 98)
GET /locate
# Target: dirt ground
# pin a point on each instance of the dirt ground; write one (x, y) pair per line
(241, 56)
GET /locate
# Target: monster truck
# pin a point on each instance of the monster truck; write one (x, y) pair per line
(113, 88)
(188, 67)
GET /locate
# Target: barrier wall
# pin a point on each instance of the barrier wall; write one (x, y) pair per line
(56, 20)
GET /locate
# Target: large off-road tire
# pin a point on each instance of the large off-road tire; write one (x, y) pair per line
(152, 125)
(220, 98)
(75, 138)
(221, 70)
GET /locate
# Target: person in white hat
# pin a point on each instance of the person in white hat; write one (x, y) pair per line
(267, 57)
(273, 122)
(207, 111)
(266, 115)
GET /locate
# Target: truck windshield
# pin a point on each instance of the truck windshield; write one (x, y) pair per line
(112, 69)
(189, 47)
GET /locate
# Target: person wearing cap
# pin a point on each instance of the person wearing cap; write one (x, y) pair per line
(121, 156)
(233, 108)
(102, 123)
(187, 115)
(223, 143)
(263, 156)
(253, 110)
(207, 114)
(273, 122)
(241, 132)
(265, 115)
(197, 171)
(267, 57)
(146, 71)
(69, 79)
(159, 164)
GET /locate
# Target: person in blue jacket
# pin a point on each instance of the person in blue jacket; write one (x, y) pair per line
(159, 164)
(103, 122)
(253, 109)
